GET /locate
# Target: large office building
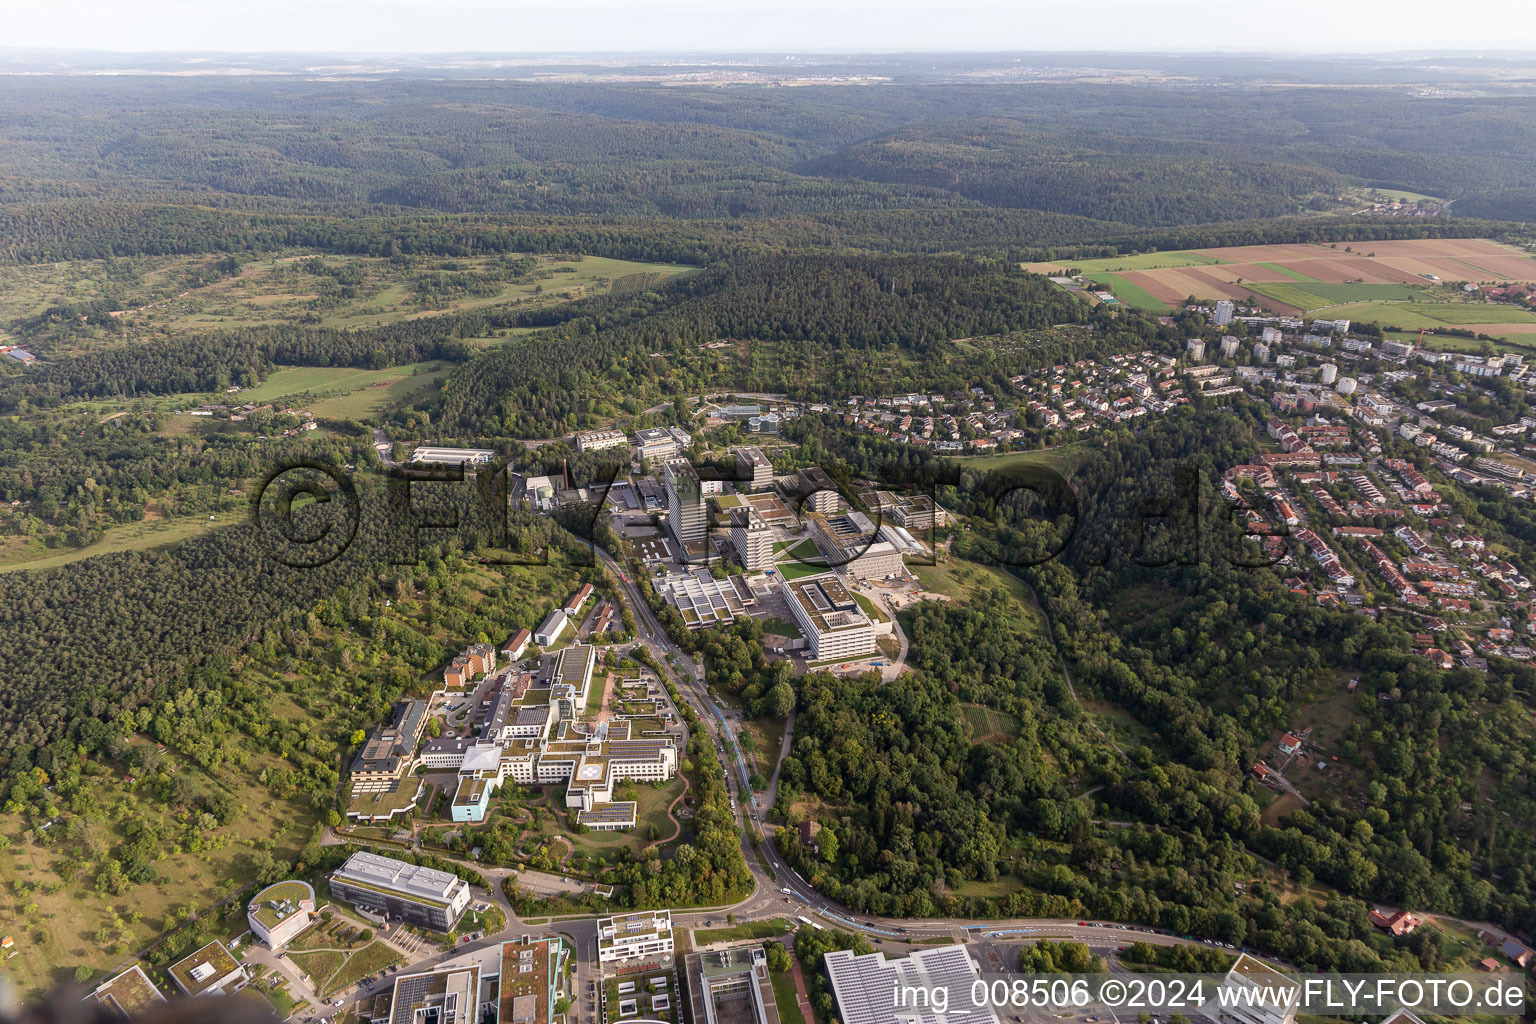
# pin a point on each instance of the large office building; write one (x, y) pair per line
(281, 911)
(852, 544)
(753, 469)
(731, 986)
(634, 936)
(434, 456)
(687, 501)
(867, 987)
(915, 512)
(830, 618)
(1251, 975)
(449, 995)
(414, 894)
(704, 601)
(657, 444)
(752, 538)
(601, 440)
(389, 752)
(814, 490)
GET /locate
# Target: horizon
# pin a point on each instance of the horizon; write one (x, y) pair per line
(803, 26)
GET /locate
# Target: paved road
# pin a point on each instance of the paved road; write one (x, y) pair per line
(770, 874)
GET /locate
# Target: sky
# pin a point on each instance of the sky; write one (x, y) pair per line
(564, 26)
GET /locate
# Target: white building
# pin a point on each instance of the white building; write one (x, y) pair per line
(754, 468)
(1327, 373)
(1249, 975)
(631, 936)
(433, 455)
(421, 896)
(1261, 353)
(600, 440)
(752, 538)
(1223, 315)
(1196, 349)
(1228, 346)
(555, 623)
(830, 618)
(281, 911)
(657, 444)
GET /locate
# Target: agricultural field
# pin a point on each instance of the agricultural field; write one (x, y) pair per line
(1294, 279)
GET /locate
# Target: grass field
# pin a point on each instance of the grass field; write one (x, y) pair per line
(371, 959)
(1414, 315)
(1288, 278)
(1287, 272)
(345, 391)
(58, 922)
(785, 998)
(1130, 294)
(741, 932)
(1062, 459)
(141, 536)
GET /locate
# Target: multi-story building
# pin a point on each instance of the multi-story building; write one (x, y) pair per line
(830, 618)
(599, 440)
(1249, 976)
(657, 444)
(852, 545)
(210, 971)
(687, 496)
(466, 457)
(1223, 314)
(390, 750)
(417, 895)
(731, 986)
(752, 538)
(867, 987)
(128, 995)
(632, 936)
(281, 911)
(816, 489)
(754, 469)
(554, 624)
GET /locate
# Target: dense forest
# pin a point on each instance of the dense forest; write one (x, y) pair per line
(837, 241)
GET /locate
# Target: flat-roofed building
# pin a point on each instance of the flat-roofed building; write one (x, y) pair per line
(389, 753)
(656, 444)
(909, 511)
(601, 440)
(281, 911)
(417, 895)
(1250, 975)
(852, 545)
(866, 987)
(433, 455)
(574, 668)
(731, 986)
(127, 995)
(687, 500)
(830, 618)
(752, 538)
(754, 469)
(631, 936)
(448, 995)
(701, 599)
(815, 490)
(531, 980)
(210, 971)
